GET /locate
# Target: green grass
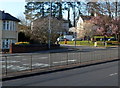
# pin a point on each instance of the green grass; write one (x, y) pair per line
(86, 43)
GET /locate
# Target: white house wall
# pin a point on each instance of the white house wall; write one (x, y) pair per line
(11, 35)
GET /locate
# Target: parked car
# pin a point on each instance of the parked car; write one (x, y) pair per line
(103, 39)
(76, 39)
(68, 37)
(62, 39)
(112, 39)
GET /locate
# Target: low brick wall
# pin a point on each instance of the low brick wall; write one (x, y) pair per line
(30, 48)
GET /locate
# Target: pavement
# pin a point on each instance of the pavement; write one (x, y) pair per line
(64, 48)
(98, 75)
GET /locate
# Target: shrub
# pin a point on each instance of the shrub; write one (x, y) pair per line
(22, 43)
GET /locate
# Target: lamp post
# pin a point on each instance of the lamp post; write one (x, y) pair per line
(74, 25)
(31, 24)
(49, 28)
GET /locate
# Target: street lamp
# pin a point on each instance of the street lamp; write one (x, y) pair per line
(75, 37)
(75, 26)
(49, 28)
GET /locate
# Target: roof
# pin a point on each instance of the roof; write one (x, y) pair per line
(7, 16)
(86, 17)
(64, 20)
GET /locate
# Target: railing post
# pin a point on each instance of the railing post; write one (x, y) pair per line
(106, 54)
(6, 65)
(110, 53)
(67, 58)
(31, 62)
(49, 61)
(80, 56)
(93, 54)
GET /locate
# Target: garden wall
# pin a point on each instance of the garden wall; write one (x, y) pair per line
(30, 48)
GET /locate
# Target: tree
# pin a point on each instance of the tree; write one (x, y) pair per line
(107, 26)
(103, 23)
(67, 6)
(40, 29)
(86, 29)
(115, 26)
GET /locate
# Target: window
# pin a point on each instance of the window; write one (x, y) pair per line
(4, 26)
(9, 25)
(6, 43)
(14, 26)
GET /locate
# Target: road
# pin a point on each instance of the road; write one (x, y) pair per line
(39, 59)
(98, 75)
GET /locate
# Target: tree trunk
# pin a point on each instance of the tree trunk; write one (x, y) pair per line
(43, 14)
(74, 22)
(60, 10)
(116, 8)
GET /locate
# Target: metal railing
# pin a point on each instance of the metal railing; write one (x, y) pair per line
(18, 63)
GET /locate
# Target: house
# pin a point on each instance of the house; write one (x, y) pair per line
(64, 24)
(8, 30)
(23, 28)
(81, 22)
(83, 26)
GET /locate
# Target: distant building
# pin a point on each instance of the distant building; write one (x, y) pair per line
(23, 28)
(80, 25)
(81, 22)
(8, 30)
(64, 27)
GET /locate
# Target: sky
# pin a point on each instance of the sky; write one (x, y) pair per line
(13, 7)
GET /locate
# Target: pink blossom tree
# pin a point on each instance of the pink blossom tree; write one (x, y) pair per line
(115, 26)
(107, 26)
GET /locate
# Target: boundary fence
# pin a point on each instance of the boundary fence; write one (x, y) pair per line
(30, 62)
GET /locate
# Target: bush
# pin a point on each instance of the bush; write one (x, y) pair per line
(22, 43)
(113, 42)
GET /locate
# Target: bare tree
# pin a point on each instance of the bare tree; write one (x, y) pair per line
(40, 29)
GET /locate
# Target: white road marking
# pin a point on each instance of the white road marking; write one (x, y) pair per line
(9, 61)
(2, 61)
(113, 74)
(40, 57)
(40, 64)
(18, 68)
(12, 61)
(26, 64)
(24, 59)
(18, 56)
(64, 61)
(43, 57)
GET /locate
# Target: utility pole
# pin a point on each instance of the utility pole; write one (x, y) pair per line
(31, 24)
(49, 28)
(74, 23)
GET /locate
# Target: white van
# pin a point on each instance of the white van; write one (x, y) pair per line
(69, 37)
